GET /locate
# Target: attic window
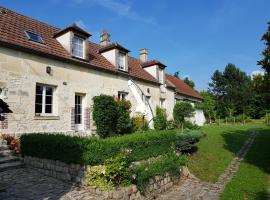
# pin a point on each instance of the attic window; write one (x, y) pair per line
(77, 47)
(34, 37)
(121, 61)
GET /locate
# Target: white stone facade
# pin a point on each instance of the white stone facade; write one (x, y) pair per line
(20, 72)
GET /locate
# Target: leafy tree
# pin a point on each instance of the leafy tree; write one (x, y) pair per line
(160, 122)
(265, 61)
(176, 74)
(232, 91)
(182, 110)
(207, 105)
(105, 115)
(123, 119)
(189, 82)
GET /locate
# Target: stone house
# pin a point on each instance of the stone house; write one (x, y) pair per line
(48, 76)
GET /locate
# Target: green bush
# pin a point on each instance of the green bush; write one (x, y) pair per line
(123, 117)
(139, 124)
(113, 173)
(190, 125)
(160, 121)
(93, 151)
(168, 163)
(182, 110)
(171, 125)
(105, 115)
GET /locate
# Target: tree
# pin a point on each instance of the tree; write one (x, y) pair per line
(181, 111)
(160, 122)
(176, 74)
(231, 90)
(265, 61)
(189, 82)
(207, 105)
(105, 115)
(123, 119)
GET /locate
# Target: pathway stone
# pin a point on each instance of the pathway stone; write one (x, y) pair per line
(192, 188)
(28, 184)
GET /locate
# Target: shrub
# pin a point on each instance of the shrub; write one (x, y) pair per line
(8, 138)
(123, 119)
(160, 119)
(168, 163)
(113, 173)
(182, 110)
(190, 125)
(139, 124)
(93, 151)
(185, 142)
(105, 115)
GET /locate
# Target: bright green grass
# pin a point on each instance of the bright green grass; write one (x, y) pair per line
(217, 150)
(251, 180)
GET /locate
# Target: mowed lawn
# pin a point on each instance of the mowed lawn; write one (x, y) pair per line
(251, 180)
(217, 149)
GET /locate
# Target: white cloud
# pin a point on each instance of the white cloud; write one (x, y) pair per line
(256, 73)
(123, 9)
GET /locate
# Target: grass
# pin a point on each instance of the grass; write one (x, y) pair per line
(251, 180)
(217, 150)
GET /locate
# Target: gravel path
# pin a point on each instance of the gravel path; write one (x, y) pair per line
(194, 189)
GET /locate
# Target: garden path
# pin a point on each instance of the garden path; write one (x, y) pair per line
(194, 189)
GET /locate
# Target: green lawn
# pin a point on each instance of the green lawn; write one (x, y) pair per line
(217, 150)
(251, 180)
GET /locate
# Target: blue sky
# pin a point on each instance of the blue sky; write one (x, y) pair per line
(195, 37)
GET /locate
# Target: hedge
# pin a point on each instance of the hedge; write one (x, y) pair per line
(92, 151)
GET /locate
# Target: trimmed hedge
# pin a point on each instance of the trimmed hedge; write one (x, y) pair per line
(94, 151)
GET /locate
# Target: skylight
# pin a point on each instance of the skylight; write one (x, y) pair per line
(34, 37)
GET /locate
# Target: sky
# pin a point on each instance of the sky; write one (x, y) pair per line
(194, 37)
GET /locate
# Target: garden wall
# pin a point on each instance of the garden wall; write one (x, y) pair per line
(75, 173)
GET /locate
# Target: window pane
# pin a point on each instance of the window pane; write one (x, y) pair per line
(49, 90)
(38, 108)
(48, 109)
(39, 89)
(77, 46)
(39, 99)
(34, 37)
(48, 99)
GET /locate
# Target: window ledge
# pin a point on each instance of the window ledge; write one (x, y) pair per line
(46, 117)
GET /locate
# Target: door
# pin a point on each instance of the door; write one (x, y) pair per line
(78, 112)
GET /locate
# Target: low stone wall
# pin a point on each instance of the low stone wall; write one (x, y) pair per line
(75, 173)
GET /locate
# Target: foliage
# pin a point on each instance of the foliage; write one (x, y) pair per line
(8, 138)
(207, 105)
(231, 90)
(182, 110)
(139, 123)
(111, 174)
(168, 163)
(171, 125)
(189, 82)
(189, 125)
(105, 115)
(176, 74)
(93, 151)
(265, 61)
(123, 120)
(187, 141)
(160, 122)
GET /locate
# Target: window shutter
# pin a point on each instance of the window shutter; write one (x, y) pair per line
(4, 123)
(87, 118)
(73, 118)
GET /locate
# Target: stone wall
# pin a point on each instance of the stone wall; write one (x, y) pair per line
(75, 173)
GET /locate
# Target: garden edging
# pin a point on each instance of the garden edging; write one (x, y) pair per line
(75, 173)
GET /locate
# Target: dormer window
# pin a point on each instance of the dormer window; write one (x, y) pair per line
(121, 61)
(77, 46)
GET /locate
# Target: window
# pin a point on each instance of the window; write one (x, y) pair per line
(160, 76)
(44, 99)
(121, 61)
(162, 103)
(77, 47)
(121, 96)
(34, 37)
(78, 109)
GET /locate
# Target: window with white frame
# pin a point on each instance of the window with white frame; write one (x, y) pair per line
(161, 76)
(77, 47)
(121, 61)
(44, 99)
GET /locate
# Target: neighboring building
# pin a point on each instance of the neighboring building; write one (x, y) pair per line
(48, 76)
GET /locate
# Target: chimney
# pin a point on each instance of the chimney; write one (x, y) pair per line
(104, 38)
(143, 55)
